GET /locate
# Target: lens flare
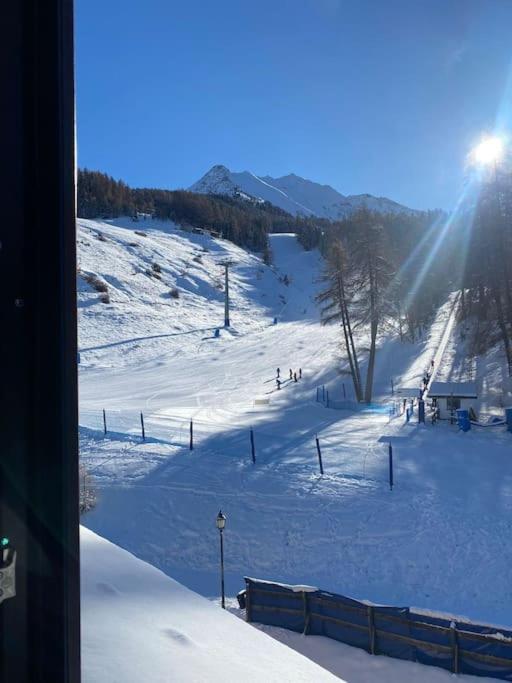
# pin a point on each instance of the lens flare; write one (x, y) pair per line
(488, 151)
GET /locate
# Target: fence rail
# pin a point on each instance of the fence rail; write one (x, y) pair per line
(458, 646)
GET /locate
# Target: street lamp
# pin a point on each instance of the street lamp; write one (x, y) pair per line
(220, 522)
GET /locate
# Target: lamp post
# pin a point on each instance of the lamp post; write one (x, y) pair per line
(220, 522)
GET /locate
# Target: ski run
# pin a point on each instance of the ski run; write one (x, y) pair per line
(438, 541)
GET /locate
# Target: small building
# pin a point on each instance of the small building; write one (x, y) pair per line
(450, 396)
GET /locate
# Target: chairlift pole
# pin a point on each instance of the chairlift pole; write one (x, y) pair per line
(226, 265)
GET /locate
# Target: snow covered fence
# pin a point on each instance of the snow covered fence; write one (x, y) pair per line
(399, 632)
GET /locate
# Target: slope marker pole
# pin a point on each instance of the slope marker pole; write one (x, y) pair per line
(319, 455)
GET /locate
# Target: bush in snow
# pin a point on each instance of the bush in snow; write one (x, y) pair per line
(174, 293)
(87, 495)
(94, 281)
(140, 233)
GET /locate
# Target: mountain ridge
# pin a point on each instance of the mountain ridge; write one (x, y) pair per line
(296, 195)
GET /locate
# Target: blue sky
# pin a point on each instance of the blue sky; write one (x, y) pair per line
(379, 96)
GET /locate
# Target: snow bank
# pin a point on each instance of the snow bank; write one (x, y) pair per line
(139, 625)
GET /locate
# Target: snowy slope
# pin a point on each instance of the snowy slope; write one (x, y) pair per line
(142, 315)
(139, 625)
(292, 193)
(344, 531)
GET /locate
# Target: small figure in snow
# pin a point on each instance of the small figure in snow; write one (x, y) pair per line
(291, 374)
(294, 376)
(432, 363)
(278, 384)
(300, 373)
(278, 372)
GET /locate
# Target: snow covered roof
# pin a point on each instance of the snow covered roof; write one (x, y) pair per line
(140, 625)
(459, 389)
(409, 392)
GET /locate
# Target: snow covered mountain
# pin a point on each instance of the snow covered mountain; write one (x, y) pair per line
(292, 193)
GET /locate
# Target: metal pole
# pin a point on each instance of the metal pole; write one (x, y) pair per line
(191, 435)
(390, 451)
(319, 455)
(104, 422)
(142, 425)
(223, 595)
(253, 450)
(226, 295)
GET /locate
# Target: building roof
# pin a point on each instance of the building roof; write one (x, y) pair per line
(407, 392)
(459, 389)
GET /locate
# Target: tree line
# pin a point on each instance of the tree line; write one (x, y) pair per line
(243, 222)
(380, 279)
(484, 232)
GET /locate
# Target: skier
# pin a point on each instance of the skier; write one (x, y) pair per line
(432, 363)
(278, 372)
(294, 376)
(300, 373)
(291, 374)
(278, 384)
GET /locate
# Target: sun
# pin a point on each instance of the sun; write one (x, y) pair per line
(488, 151)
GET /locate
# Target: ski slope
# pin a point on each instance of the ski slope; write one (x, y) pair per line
(439, 540)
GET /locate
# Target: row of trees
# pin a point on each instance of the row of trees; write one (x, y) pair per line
(243, 222)
(379, 277)
(486, 279)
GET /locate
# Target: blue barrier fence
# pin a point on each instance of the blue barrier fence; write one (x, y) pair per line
(458, 646)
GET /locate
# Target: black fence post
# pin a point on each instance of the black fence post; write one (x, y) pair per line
(323, 392)
(104, 422)
(319, 455)
(455, 648)
(248, 611)
(305, 603)
(142, 426)
(317, 394)
(344, 392)
(253, 450)
(392, 387)
(371, 631)
(390, 451)
(191, 435)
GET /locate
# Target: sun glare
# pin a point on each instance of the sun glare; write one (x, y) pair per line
(488, 151)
